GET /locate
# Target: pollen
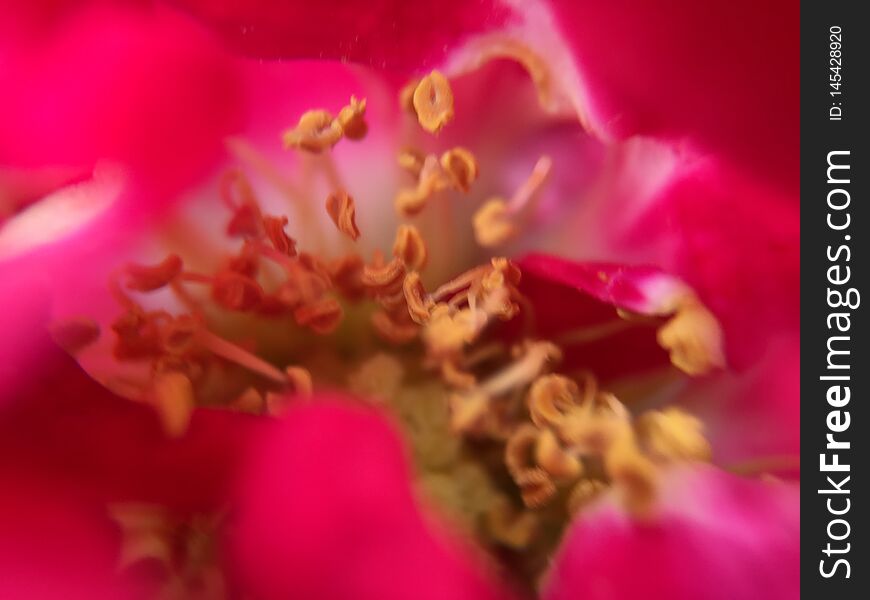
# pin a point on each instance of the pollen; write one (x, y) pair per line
(351, 119)
(410, 247)
(342, 211)
(461, 166)
(433, 102)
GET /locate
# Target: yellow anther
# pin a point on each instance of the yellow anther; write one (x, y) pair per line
(448, 331)
(172, 397)
(536, 487)
(433, 102)
(594, 426)
(410, 248)
(584, 493)
(497, 221)
(550, 398)
(412, 161)
(673, 435)
(461, 166)
(384, 278)
(633, 474)
(317, 131)
(493, 225)
(419, 303)
(342, 211)
(553, 458)
(693, 338)
(406, 96)
(433, 179)
(351, 118)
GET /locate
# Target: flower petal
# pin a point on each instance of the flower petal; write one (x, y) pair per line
(716, 536)
(326, 511)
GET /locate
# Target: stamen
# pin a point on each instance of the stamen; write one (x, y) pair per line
(433, 179)
(386, 278)
(460, 164)
(274, 227)
(342, 211)
(351, 118)
(497, 221)
(694, 338)
(419, 304)
(410, 248)
(148, 278)
(535, 357)
(231, 352)
(673, 435)
(553, 459)
(412, 161)
(317, 131)
(433, 102)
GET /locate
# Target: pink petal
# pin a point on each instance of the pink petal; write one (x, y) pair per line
(683, 71)
(716, 536)
(382, 33)
(326, 511)
(569, 296)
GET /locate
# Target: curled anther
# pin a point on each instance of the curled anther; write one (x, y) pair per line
(461, 167)
(274, 227)
(322, 316)
(673, 435)
(554, 459)
(550, 398)
(693, 337)
(147, 278)
(342, 211)
(433, 102)
(593, 427)
(411, 201)
(316, 131)
(384, 278)
(519, 451)
(410, 247)
(536, 487)
(419, 303)
(351, 119)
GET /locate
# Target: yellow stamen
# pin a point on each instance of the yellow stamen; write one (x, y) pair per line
(433, 179)
(461, 166)
(419, 304)
(673, 435)
(351, 118)
(497, 221)
(553, 458)
(694, 338)
(317, 131)
(433, 102)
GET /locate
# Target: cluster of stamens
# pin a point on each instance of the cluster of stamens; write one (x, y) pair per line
(560, 438)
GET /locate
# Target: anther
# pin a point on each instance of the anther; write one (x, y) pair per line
(412, 161)
(693, 338)
(342, 211)
(300, 380)
(497, 221)
(673, 435)
(317, 131)
(419, 304)
(147, 278)
(351, 118)
(461, 166)
(274, 227)
(433, 102)
(384, 278)
(172, 396)
(410, 248)
(235, 291)
(554, 459)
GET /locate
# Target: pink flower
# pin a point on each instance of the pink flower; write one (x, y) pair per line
(497, 415)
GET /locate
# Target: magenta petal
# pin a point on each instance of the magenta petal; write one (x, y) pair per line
(391, 34)
(683, 70)
(326, 511)
(572, 296)
(717, 537)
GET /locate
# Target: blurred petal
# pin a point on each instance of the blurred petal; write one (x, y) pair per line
(326, 511)
(716, 536)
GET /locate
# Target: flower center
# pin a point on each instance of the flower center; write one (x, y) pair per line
(505, 445)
